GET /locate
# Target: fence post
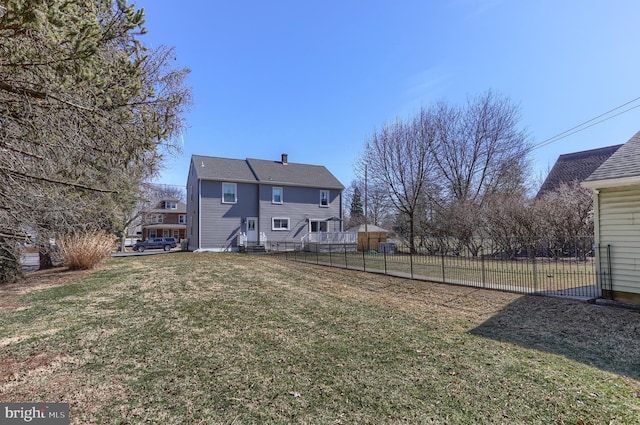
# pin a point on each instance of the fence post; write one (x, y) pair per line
(484, 271)
(385, 260)
(317, 256)
(535, 270)
(442, 258)
(609, 269)
(330, 260)
(364, 259)
(411, 261)
(346, 266)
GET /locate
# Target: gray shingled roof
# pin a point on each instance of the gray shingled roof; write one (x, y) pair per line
(294, 174)
(576, 167)
(213, 168)
(263, 171)
(625, 163)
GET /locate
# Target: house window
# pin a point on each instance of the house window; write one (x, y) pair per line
(165, 233)
(182, 219)
(229, 193)
(176, 234)
(157, 218)
(318, 226)
(279, 223)
(152, 233)
(324, 198)
(170, 205)
(276, 195)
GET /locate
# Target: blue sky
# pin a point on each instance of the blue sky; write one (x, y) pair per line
(315, 78)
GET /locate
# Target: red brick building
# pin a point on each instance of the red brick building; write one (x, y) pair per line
(167, 219)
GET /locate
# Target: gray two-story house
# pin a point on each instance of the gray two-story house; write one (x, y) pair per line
(235, 203)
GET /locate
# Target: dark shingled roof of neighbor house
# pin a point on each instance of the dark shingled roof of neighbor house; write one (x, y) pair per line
(576, 167)
(264, 171)
(624, 163)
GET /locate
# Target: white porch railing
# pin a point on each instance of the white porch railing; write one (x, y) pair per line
(243, 240)
(330, 238)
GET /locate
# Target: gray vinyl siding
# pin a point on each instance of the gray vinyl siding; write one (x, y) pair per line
(220, 223)
(619, 226)
(299, 205)
(192, 209)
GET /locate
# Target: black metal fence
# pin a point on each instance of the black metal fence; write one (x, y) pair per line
(535, 267)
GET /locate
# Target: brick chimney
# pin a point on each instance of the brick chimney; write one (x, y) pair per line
(285, 159)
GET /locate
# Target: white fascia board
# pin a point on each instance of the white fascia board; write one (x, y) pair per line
(604, 184)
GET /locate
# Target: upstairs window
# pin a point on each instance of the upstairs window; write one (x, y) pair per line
(324, 198)
(170, 205)
(157, 218)
(276, 195)
(182, 219)
(229, 193)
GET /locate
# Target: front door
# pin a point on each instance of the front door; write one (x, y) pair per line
(252, 229)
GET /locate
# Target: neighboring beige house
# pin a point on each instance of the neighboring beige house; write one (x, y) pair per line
(616, 185)
(167, 219)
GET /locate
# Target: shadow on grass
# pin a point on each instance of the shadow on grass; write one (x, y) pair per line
(606, 338)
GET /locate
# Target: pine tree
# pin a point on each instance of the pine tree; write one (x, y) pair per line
(356, 211)
(86, 112)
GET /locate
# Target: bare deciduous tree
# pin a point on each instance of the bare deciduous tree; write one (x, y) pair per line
(397, 157)
(567, 214)
(478, 148)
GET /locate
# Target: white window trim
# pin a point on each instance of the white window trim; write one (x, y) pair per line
(274, 228)
(273, 195)
(182, 219)
(235, 193)
(328, 198)
(170, 205)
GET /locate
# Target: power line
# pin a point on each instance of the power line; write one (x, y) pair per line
(583, 126)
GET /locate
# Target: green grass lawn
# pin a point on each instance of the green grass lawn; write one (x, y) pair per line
(235, 339)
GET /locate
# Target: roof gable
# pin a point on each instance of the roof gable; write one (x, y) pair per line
(624, 164)
(576, 167)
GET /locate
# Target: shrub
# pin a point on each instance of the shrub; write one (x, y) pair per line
(84, 250)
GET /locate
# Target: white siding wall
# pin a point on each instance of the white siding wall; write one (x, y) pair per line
(619, 226)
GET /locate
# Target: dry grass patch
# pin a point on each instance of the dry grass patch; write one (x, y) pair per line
(222, 338)
(82, 251)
